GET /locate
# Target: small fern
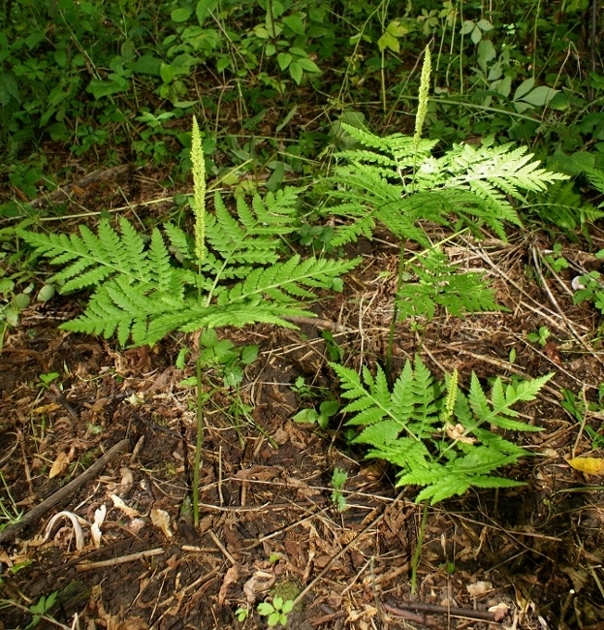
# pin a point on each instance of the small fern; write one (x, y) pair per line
(395, 181)
(231, 273)
(398, 182)
(436, 435)
(563, 206)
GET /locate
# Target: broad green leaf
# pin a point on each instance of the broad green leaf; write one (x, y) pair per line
(540, 96)
(308, 64)
(284, 59)
(180, 15)
(296, 72)
(295, 23)
(114, 85)
(524, 88)
(203, 9)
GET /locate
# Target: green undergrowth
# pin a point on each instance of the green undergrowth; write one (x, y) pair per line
(111, 82)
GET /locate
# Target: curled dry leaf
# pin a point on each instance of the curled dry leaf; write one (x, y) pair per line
(126, 481)
(76, 523)
(550, 350)
(259, 583)
(61, 463)
(232, 575)
(500, 611)
(120, 505)
(161, 519)
(458, 432)
(479, 588)
(95, 530)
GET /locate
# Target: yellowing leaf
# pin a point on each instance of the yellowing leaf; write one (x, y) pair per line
(60, 464)
(588, 465)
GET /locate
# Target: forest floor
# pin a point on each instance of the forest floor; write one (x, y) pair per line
(528, 558)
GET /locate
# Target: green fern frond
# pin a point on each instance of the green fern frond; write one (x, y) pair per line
(564, 207)
(405, 453)
(432, 431)
(472, 183)
(253, 235)
(144, 290)
(596, 179)
(93, 258)
(439, 283)
(344, 234)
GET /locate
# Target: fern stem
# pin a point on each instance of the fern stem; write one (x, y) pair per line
(418, 547)
(198, 443)
(399, 282)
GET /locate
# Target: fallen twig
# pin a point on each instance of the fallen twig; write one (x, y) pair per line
(453, 611)
(147, 553)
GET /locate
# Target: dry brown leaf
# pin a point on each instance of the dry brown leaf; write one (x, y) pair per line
(60, 464)
(479, 588)
(95, 529)
(457, 432)
(588, 465)
(76, 523)
(249, 590)
(48, 408)
(231, 576)
(500, 611)
(126, 481)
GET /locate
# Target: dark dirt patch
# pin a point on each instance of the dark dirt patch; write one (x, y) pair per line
(268, 524)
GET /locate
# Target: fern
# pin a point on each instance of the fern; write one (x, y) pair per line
(564, 207)
(394, 168)
(432, 281)
(436, 435)
(142, 290)
(396, 181)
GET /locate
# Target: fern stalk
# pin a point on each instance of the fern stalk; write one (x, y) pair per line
(420, 117)
(198, 442)
(199, 209)
(418, 547)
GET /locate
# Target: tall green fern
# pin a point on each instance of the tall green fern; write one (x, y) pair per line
(438, 437)
(397, 182)
(233, 271)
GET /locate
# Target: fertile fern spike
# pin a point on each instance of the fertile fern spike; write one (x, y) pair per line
(433, 432)
(199, 191)
(424, 88)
